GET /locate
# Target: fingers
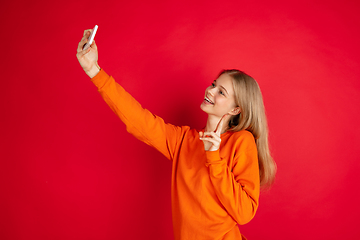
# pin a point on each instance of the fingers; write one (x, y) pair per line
(201, 134)
(84, 40)
(81, 44)
(215, 143)
(93, 45)
(210, 137)
(82, 53)
(211, 141)
(219, 127)
(87, 32)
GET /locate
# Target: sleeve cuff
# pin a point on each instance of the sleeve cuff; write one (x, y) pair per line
(100, 78)
(212, 157)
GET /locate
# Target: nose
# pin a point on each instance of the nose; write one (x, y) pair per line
(211, 91)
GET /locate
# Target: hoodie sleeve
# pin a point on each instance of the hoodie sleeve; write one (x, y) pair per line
(140, 122)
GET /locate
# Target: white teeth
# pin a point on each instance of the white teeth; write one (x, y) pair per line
(207, 99)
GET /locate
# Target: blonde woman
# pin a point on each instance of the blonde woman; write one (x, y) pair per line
(217, 172)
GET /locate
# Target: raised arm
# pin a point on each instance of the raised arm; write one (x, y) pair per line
(140, 122)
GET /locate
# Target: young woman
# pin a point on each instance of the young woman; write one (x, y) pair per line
(216, 172)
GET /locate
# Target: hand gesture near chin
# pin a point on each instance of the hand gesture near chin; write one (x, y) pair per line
(212, 140)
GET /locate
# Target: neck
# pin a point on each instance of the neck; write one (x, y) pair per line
(212, 122)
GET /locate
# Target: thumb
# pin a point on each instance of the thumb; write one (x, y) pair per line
(93, 45)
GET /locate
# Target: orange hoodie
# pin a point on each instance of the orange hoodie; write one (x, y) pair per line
(211, 192)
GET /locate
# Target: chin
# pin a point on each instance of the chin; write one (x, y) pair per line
(202, 107)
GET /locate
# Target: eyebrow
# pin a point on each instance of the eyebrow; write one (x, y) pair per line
(223, 88)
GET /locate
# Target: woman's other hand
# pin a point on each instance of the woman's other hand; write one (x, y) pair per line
(88, 58)
(212, 140)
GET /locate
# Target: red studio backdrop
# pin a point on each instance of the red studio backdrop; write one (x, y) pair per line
(69, 169)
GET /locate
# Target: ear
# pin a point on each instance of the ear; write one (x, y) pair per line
(235, 111)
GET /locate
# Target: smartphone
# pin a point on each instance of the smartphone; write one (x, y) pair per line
(91, 38)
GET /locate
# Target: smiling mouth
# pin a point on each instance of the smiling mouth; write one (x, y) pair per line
(208, 100)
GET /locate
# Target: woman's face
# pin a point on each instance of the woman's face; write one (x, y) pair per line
(219, 97)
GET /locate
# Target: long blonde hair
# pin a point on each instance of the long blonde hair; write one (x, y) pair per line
(252, 118)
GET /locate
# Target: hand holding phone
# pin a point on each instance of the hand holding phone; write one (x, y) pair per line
(91, 38)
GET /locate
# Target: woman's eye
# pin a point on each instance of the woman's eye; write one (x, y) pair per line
(221, 92)
(213, 85)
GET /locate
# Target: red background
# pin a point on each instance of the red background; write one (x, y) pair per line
(68, 168)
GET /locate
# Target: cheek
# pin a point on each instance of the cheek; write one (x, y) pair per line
(224, 103)
(221, 101)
